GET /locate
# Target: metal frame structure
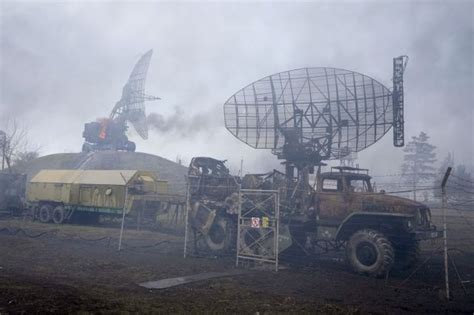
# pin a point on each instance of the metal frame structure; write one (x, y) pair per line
(258, 242)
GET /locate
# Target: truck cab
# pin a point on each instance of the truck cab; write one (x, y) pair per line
(346, 194)
(338, 192)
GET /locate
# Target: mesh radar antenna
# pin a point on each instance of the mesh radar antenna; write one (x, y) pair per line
(131, 106)
(110, 134)
(309, 115)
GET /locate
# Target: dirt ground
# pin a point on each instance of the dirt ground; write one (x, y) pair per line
(46, 268)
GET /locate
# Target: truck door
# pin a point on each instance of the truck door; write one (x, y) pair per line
(360, 191)
(330, 203)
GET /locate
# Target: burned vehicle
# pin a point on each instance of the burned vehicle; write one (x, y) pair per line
(378, 231)
(213, 200)
(106, 135)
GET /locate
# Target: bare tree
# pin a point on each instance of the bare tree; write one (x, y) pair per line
(13, 142)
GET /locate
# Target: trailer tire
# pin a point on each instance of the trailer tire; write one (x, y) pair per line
(370, 252)
(221, 236)
(58, 215)
(44, 214)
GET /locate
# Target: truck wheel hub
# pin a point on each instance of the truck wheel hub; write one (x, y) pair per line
(366, 253)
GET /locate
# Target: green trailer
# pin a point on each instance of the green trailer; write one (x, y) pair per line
(57, 195)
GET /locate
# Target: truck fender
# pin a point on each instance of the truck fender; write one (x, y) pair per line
(377, 220)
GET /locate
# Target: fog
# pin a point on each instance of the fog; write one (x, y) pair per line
(64, 64)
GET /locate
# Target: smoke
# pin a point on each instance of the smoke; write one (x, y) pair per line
(181, 123)
(218, 48)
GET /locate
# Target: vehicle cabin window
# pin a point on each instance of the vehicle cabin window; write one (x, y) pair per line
(330, 184)
(359, 185)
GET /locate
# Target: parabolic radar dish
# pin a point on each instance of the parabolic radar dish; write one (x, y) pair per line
(131, 106)
(311, 113)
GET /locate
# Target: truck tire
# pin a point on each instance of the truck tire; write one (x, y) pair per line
(370, 252)
(44, 214)
(221, 236)
(58, 215)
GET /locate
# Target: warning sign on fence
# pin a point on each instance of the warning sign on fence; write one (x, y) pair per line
(265, 222)
(255, 223)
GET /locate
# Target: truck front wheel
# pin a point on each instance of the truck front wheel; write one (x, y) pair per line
(370, 252)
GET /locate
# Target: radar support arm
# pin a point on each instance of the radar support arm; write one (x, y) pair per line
(399, 65)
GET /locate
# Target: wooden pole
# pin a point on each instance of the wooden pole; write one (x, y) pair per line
(445, 238)
(186, 218)
(239, 222)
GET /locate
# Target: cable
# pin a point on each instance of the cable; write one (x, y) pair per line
(127, 246)
(95, 240)
(19, 230)
(463, 179)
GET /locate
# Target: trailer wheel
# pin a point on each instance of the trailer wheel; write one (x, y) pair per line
(45, 213)
(370, 252)
(221, 236)
(58, 215)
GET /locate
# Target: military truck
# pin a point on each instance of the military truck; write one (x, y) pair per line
(58, 195)
(378, 231)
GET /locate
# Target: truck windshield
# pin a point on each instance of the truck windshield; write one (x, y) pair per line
(360, 185)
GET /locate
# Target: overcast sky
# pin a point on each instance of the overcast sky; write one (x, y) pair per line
(64, 64)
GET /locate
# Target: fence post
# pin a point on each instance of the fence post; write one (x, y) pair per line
(186, 217)
(445, 239)
(123, 210)
(239, 217)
